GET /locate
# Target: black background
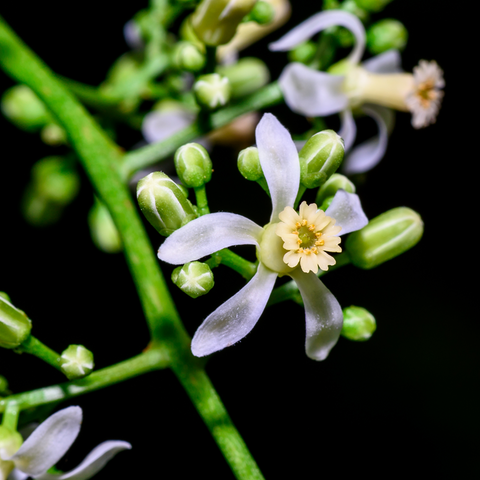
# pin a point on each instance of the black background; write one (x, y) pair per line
(403, 403)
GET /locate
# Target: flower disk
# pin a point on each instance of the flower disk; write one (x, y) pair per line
(307, 236)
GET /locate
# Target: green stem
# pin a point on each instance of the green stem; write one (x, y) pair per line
(143, 157)
(201, 197)
(230, 259)
(10, 416)
(33, 346)
(211, 59)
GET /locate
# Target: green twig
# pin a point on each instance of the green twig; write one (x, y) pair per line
(33, 346)
(230, 259)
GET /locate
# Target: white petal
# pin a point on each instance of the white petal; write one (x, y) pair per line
(92, 463)
(49, 442)
(347, 211)
(366, 155)
(230, 322)
(321, 21)
(17, 475)
(387, 62)
(348, 129)
(312, 93)
(158, 126)
(323, 315)
(279, 161)
(208, 234)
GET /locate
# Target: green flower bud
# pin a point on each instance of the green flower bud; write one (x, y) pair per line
(24, 109)
(372, 5)
(103, 231)
(386, 236)
(303, 52)
(163, 203)
(249, 164)
(187, 56)
(215, 21)
(53, 134)
(246, 76)
(358, 323)
(212, 91)
(386, 34)
(15, 326)
(320, 157)
(10, 442)
(193, 165)
(332, 185)
(76, 362)
(261, 13)
(194, 278)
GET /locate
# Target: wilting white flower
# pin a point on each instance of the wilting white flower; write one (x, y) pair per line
(276, 250)
(48, 444)
(375, 86)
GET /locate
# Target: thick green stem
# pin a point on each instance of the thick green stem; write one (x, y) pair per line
(201, 198)
(10, 416)
(230, 259)
(33, 346)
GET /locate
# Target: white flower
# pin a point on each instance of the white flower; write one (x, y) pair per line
(210, 233)
(48, 444)
(376, 86)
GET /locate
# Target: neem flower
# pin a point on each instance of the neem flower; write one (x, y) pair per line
(375, 86)
(290, 244)
(47, 445)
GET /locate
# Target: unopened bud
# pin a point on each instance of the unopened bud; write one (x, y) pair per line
(303, 52)
(10, 442)
(103, 231)
(385, 35)
(194, 278)
(385, 237)
(193, 165)
(76, 362)
(261, 13)
(249, 164)
(187, 56)
(372, 5)
(358, 323)
(245, 76)
(24, 109)
(328, 190)
(320, 157)
(163, 203)
(215, 21)
(15, 326)
(212, 91)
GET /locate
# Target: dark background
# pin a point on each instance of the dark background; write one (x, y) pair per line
(403, 403)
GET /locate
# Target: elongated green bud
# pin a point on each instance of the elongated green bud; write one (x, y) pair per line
(246, 76)
(215, 22)
(193, 165)
(358, 323)
(194, 278)
(76, 362)
(320, 157)
(15, 326)
(103, 231)
(249, 164)
(328, 190)
(212, 91)
(385, 237)
(187, 56)
(385, 35)
(163, 203)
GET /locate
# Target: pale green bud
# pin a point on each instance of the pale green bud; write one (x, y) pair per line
(249, 164)
(24, 109)
(187, 56)
(215, 22)
(194, 278)
(163, 203)
(10, 442)
(372, 5)
(103, 231)
(53, 134)
(336, 182)
(386, 236)
(303, 52)
(193, 165)
(76, 362)
(320, 157)
(358, 323)
(212, 91)
(385, 35)
(15, 326)
(261, 13)
(246, 76)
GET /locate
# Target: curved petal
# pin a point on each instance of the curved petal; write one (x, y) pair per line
(347, 211)
(230, 322)
(321, 21)
(208, 234)
(323, 315)
(387, 62)
(92, 463)
(348, 129)
(366, 155)
(158, 126)
(49, 442)
(312, 93)
(279, 161)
